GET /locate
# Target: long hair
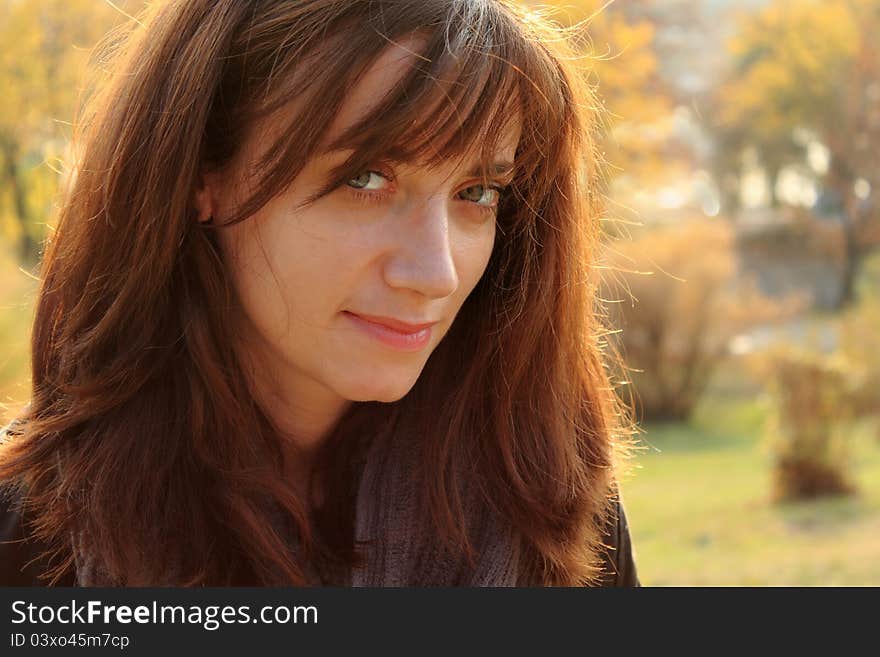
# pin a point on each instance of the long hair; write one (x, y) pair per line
(141, 428)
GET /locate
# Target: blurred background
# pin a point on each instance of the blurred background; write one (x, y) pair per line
(743, 270)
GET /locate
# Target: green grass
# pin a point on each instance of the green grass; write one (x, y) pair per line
(700, 510)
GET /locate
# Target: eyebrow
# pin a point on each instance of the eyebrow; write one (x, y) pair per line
(500, 169)
(503, 169)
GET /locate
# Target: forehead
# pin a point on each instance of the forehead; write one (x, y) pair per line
(380, 78)
(383, 77)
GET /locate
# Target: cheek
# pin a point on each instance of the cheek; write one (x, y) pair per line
(473, 255)
(266, 267)
(248, 267)
(237, 244)
(280, 265)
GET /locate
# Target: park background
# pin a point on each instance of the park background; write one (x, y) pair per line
(741, 269)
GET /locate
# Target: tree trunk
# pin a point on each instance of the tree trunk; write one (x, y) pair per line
(28, 249)
(841, 176)
(852, 259)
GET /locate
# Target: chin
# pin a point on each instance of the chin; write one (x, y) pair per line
(387, 392)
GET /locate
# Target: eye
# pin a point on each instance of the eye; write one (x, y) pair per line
(369, 180)
(485, 195)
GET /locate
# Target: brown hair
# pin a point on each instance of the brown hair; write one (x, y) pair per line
(140, 426)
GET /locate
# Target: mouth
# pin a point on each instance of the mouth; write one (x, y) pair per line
(394, 324)
(393, 333)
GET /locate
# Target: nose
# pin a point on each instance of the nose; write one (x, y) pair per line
(422, 259)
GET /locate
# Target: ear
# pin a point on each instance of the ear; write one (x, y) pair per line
(205, 200)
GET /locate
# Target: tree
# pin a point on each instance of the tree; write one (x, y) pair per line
(812, 67)
(46, 46)
(620, 56)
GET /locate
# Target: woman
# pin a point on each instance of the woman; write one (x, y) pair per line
(319, 309)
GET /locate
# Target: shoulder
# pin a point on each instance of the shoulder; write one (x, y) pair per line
(17, 565)
(21, 557)
(618, 560)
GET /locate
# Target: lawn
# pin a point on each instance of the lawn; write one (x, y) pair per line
(700, 510)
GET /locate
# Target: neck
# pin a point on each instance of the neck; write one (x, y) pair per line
(303, 410)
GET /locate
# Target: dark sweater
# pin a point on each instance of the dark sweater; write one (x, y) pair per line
(21, 560)
(17, 567)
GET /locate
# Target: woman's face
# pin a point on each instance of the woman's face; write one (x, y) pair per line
(397, 244)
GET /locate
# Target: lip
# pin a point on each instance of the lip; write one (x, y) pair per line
(393, 333)
(393, 324)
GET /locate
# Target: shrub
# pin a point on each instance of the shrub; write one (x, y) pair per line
(678, 303)
(808, 428)
(860, 343)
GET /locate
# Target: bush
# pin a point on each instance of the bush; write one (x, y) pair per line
(860, 345)
(808, 429)
(678, 303)
(860, 342)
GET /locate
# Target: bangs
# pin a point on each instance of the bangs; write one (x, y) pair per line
(443, 109)
(478, 69)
